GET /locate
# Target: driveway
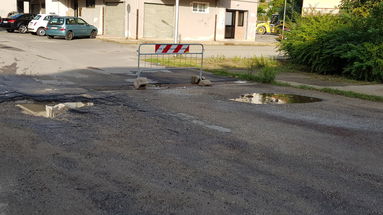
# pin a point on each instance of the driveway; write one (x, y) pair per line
(175, 148)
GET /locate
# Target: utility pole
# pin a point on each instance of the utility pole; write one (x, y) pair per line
(284, 20)
(177, 21)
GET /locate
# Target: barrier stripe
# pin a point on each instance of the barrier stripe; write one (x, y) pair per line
(169, 49)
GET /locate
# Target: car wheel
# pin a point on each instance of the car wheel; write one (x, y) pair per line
(41, 31)
(69, 35)
(10, 30)
(23, 29)
(50, 37)
(261, 30)
(93, 34)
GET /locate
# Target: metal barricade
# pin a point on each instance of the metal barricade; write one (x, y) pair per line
(168, 56)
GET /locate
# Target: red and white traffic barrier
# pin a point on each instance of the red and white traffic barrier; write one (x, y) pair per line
(172, 49)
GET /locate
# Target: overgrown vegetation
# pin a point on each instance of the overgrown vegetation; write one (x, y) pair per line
(260, 69)
(349, 44)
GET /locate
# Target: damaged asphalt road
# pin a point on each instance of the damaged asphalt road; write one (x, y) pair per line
(177, 148)
(192, 151)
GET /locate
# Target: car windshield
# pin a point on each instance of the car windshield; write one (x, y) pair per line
(37, 17)
(56, 21)
(15, 16)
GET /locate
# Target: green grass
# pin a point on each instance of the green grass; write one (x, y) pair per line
(264, 70)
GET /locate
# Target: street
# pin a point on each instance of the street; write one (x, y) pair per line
(175, 148)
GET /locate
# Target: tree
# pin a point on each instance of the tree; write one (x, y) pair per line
(359, 7)
(293, 7)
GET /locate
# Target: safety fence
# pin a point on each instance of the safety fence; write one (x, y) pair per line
(167, 56)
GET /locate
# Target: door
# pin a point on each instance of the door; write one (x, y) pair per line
(158, 21)
(114, 19)
(230, 24)
(71, 25)
(83, 27)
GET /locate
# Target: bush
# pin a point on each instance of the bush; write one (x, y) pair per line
(262, 69)
(255, 64)
(347, 44)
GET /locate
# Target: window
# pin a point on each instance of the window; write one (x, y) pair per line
(200, 7)
(70, 21)
(37, 17)
(56, 21)
(241, 18)
(81, 21)
(47, 18)
(90, 3)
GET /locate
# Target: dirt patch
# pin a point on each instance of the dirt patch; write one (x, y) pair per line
(9, 70)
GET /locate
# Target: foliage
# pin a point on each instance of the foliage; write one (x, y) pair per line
(264, 69)
(347, 44)
(359, 7)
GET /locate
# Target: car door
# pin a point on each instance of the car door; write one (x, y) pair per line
(83, 27)
(71, 25)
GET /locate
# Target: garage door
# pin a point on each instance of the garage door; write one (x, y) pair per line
(114, 19)
(159, 21)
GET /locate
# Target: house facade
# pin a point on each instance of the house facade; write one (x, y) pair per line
(21, 6)
(320, 6)
(201, 20)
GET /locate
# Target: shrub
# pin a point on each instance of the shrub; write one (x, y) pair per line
(348, 44)
(266, 75)
(255, 64)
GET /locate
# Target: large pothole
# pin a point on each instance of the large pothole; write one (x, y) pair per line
(270, 98)
(50, 109)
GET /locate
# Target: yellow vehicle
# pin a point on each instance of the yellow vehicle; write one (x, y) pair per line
(271, 27)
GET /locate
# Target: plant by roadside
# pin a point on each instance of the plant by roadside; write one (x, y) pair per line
(349, 44)
(264, 69)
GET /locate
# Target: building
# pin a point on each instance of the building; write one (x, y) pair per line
(21, 6)
(320, 6)
(202, 20)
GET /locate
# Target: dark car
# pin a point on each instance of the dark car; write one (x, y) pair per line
(17, 22)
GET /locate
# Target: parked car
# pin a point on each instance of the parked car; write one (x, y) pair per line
(39, 23)
(69, 27)
(17, 22)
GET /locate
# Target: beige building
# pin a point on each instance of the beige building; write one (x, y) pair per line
(201, 20)
(7, 6)
(21, 6)
(320, 6)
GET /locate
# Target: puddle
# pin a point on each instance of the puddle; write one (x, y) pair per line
(270, 98)
(50, 109)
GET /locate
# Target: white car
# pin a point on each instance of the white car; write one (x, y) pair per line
(39, 23)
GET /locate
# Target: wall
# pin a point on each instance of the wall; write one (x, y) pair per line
(7, 6)
(249, 5)
(59, 7)
(320, 6)
(92, 15)
(196, 26)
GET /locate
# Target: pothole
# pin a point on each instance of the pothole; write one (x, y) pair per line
(50, 109)
(270, 98)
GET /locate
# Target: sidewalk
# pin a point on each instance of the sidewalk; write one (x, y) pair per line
(267, 40)
(298, 79)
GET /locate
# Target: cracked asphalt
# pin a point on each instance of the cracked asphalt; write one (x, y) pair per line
(176, 148)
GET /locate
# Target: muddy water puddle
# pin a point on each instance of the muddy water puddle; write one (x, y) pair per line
(50, 109)
(270, 98)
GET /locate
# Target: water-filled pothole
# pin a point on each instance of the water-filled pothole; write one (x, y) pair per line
(50, 109)
(270, 98)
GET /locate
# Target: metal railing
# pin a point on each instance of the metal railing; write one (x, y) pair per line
(170, 56)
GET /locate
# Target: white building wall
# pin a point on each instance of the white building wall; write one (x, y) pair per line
(7, 6)
(320, 6)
